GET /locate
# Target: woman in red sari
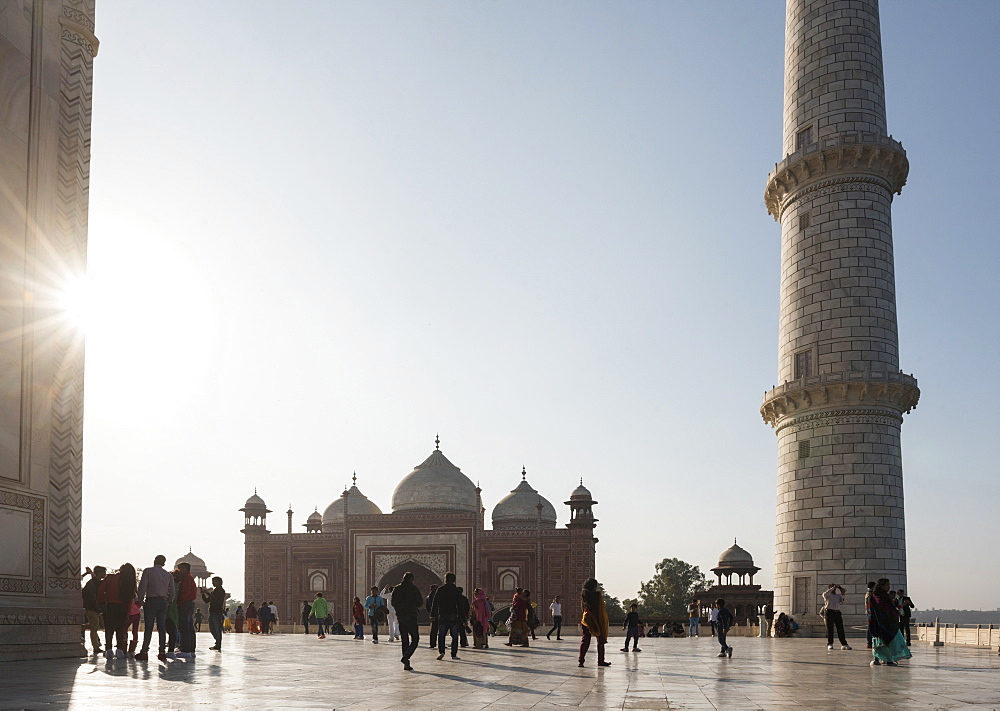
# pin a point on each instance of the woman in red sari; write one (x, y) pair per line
(519, 631)
(480, 619)
(252, 625)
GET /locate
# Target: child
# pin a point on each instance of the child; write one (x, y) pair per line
(632, 623)
(722, 625)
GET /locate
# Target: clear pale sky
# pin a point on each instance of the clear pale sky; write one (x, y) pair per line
(322, 232)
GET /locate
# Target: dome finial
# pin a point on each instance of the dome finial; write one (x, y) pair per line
(354, 478)
(437, 441)
(524, 473)
(581, 481)
(255, 491)
(189, 549)
(734, 540)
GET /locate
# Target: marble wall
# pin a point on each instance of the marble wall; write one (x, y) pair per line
(47, 48)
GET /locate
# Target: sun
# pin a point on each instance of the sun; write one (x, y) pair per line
(73, 301)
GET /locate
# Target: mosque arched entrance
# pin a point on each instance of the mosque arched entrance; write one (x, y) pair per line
(423, 578)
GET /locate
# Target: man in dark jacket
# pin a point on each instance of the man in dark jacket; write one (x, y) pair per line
(434, 624)
(445, 608)
(216, 599)
(407, 600)
(463, 617)
(90, 606)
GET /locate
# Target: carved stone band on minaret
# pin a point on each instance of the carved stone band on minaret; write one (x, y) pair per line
(892, 394)
(846, 157)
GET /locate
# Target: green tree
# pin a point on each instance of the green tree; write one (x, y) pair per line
(613, 606)
(675, 584)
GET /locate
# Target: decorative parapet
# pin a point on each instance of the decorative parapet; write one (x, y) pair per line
(831, 391)
(863, 156)
(78, 28)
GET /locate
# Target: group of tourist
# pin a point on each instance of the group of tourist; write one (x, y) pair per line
(162, 598)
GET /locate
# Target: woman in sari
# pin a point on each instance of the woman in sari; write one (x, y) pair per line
(518, 622)
(252, 627)
(480, 619)
(888, 645)
(594, 622)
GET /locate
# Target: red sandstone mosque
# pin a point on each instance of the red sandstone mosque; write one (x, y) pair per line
(437, 524)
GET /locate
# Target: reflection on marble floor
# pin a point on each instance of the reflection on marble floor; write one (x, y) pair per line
(289, 671)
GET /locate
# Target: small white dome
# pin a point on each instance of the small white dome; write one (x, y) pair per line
(315, 517)
(255, 500)
(581, 492)
(435, 485)
(735, 556)
(357, 504)
(519, 509)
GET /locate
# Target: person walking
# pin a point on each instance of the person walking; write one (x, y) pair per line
(594, 622)
(868, 597)
(446, 609)
(722, 625)
(187, 593)
(198, 618)
(320, 609)
(905, 605)
(155, 591)
(532, 617)
(631, 627)
(241, 618)
(272, 616)
(392, 621)
(173, 619)
(464, 608)
(358, 613)
(768, 620)
(480, 619)
(91, 608)
(429, 604)
(306, 611)
(519, 631)
(833, 596)
(555, 609)
(216, 599)
(253, 619)
(694, 617)
(407, 601)
(263, 615)
(115, 593)
(375, 607)
(888, 645)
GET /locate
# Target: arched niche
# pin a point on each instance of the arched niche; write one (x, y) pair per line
(423, 578)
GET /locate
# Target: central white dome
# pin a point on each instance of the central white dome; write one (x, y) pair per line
(435, 485)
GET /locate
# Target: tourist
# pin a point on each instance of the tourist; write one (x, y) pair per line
(187, 593)
(253, 622)
(464, 607)
(722, 624)
(594, 622)
(241, 618)
(227, 621)
(555, 609)
(833, 596)
(391, 619)
(868, 595)
(480, 619)
(519, 632)
(272, 617)
(375, 607)
(713, 617)
(768, 618)
(904, 604)
(263, 614)
(533, 621)
(631, 627)
(155, 590)
(654, 631)
(445, 608)
(407, 601)
(198, 617)
(306, 612)
(694, 616)
(173, 618)
(429, 604)
(116, 592)
(216, 600)
(782, 626)
(358, 612)
(320, 608)
(888, 645)
(91, 608)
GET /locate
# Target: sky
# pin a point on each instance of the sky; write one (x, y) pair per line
(323, 233)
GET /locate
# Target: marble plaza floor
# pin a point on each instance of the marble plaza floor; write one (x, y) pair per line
(298, 671)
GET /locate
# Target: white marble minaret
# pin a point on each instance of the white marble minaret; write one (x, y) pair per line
(839, 406)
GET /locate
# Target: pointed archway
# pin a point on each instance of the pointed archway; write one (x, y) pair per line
(423, 578)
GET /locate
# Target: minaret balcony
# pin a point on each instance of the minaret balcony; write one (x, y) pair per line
(895, 392)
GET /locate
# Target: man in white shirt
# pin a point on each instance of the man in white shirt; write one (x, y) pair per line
(393, 621)
(555, 607)
(156, 591)
(833, 597)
